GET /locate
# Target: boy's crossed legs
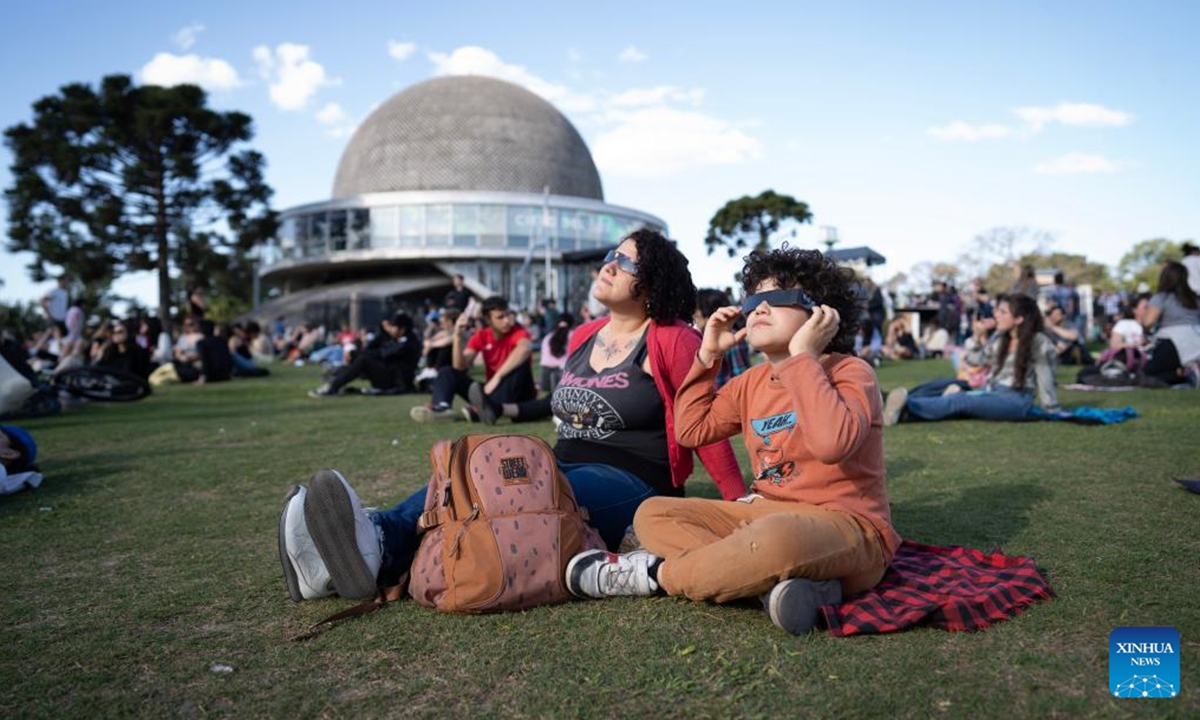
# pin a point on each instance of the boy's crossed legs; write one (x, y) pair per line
(797, 557)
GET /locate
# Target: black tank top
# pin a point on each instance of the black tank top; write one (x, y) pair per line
(614, 416)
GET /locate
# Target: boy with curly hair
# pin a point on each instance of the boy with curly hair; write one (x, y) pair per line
(816, 524)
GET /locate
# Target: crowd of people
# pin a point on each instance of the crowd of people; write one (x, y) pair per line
(655, 375)
(667, 371)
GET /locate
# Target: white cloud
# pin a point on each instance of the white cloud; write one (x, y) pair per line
(474, 60)
(401, 50)
(658, 141)
(209, 73)
(639, 97)
(574, 56)
(1075, 164)
(293, 77)
(186, 37)
(331, 114)
(1075, 114)
(961, 131)
(632, 55)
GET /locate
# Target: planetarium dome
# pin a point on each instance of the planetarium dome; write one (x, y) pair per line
(467, 133)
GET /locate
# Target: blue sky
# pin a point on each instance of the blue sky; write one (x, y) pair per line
(910, 127)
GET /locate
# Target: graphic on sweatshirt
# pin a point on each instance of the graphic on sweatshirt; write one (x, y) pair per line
(774, 432)
(585, 414)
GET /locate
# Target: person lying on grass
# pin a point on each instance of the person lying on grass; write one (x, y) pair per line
(817, 524)
(1021, 361)
(615, 444)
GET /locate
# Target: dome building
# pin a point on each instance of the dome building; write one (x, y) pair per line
(455, 175)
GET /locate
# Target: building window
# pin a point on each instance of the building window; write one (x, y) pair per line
(287, 238)
(412, 225)
(437, 225)
(466, 225)
(359, 236)
(385, 226)
(316, 236)
(492, 226)
(337, 230)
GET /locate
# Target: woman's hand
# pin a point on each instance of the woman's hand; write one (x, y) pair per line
(983, 328)
(814, 335)
(719, 336)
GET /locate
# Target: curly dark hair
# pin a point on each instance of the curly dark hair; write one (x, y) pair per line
(1021, 306)
(663, 277)
(815, 274)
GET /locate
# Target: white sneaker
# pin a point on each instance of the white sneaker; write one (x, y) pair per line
(425, 413)
(600, 574)
(794, 604)
(893, 407)
(303, 569)
(344, 535)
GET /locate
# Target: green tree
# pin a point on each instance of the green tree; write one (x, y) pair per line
(752, 219)
(1076, 269)
(123, 178)
(1143, 262)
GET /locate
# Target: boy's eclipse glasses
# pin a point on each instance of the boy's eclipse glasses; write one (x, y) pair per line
(779, 298)
(624, 262)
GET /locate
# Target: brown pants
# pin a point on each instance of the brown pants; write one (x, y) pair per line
(722, 551)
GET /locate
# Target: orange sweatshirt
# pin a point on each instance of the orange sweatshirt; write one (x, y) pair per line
(813, 428)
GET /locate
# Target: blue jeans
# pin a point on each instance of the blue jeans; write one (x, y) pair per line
(611, 496)
(926, 402)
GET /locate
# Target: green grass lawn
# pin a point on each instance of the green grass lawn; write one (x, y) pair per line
(149, 555)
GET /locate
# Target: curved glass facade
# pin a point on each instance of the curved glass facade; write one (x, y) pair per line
(315, 233)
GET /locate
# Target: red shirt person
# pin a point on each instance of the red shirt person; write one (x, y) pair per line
(507, 350)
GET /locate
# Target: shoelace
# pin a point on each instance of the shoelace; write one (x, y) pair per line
(621, 577)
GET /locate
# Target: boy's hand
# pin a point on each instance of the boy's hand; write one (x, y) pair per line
(719, 336)
(814, 335)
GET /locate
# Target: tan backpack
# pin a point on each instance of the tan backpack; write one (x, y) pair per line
(500, 525)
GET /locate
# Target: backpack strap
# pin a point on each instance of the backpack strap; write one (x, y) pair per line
(432, 518)
(359, 610)
(383, 595)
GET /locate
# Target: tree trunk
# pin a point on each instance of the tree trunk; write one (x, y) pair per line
(162, 261)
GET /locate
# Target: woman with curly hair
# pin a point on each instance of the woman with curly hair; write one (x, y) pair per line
(616, 444)
(817, 523)
(1020, 358)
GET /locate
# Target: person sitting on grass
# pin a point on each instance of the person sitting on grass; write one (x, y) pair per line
(900, 343)
(438, 348)
(553, 355)
(1021, 362)
(1174, 314)
(1066, 338)
(616, 444)
(18, 453)
(120, 351)
(508, 369)
(817, 523)
(389, 362)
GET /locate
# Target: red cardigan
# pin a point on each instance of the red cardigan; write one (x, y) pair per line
(672, 349)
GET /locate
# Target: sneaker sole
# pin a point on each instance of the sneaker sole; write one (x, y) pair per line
(574, 571)
(330, 517)
(289, 572)
(806, 598)
(893, 408)
(475, 394)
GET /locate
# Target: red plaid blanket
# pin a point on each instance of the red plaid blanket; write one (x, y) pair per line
(953, 588)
